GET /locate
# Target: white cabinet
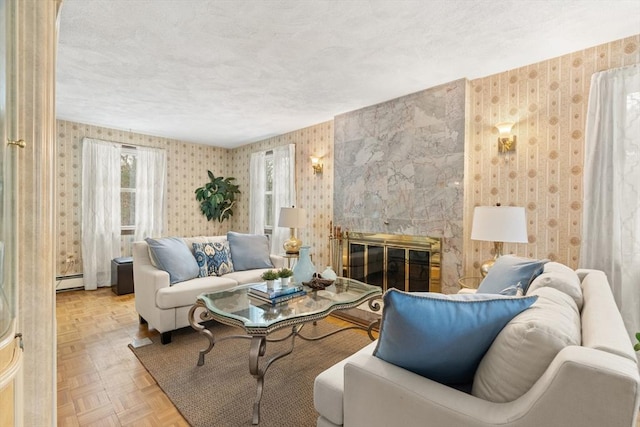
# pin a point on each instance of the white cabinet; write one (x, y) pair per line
(10, 340)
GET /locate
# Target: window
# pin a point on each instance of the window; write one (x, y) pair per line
(268, 193)
(128, 161)
(272, 186)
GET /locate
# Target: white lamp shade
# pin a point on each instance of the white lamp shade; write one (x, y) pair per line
(499, 224)
(292, 218)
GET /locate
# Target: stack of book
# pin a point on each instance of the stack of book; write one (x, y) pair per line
(276, 295)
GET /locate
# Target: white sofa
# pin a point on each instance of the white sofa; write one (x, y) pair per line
(593, 384)
(165, 307)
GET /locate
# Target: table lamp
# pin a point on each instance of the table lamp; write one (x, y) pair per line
(293, 218)
(498, 224)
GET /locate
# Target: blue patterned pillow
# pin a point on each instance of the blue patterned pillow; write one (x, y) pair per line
(214, 259)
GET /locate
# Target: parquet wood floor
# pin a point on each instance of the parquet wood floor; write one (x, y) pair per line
(100, 381)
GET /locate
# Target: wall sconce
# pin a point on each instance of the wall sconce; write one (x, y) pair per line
(506, 141)
(316, 164)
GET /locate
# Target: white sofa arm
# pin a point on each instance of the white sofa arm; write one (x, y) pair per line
(582, 387)
(277, 261)
(147, 281)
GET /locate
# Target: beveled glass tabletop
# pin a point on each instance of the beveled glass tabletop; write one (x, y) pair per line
(235, 306)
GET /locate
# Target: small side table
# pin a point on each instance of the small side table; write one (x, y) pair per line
(470, 282)
(122, 275)
(289, 257)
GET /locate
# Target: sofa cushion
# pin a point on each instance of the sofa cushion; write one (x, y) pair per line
(508, 270)
(249, 251)
(525, 347)
(247, 276)
(214, 259)
(189, 241)
(562, 278)
(172, 255)
(185, 293)
(443, 337)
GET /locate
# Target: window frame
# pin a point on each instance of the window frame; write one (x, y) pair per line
(268, 193)
(126, 230)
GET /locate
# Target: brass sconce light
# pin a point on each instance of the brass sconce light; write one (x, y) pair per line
(316, 164)
(506, 141)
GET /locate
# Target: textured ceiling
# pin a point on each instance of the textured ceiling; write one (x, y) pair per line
(227, 73)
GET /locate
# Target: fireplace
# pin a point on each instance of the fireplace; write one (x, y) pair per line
(407, 263)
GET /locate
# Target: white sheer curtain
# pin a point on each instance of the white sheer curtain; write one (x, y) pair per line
(284, 190)
(611, 219)
(100, 210)
(257, 188)
(151, 170)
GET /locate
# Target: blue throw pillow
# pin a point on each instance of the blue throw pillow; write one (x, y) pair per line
(443, 337)
(508, 270)
(214, 259)
(249, 251)
(173, 256)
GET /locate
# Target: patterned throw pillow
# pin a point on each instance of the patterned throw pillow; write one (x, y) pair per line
(214, 259)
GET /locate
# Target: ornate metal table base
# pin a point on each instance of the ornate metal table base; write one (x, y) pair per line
(259, 345)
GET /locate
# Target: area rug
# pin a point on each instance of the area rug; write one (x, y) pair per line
(222, 391)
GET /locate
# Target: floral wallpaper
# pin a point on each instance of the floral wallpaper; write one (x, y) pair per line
(314, 191)
(187, 166)
(547, 102)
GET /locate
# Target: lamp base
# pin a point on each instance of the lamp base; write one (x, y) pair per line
(486, 266)
(292, 244)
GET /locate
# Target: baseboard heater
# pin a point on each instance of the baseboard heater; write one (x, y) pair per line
(67, 283)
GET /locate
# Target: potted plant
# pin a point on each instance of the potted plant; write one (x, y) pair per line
(217, 197)
(269, 276)
(637, 346)
(284, 274)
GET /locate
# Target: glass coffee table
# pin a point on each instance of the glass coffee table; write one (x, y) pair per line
(259, 319)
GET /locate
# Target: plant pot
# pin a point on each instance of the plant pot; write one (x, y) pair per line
(284, 282)
(270, 284)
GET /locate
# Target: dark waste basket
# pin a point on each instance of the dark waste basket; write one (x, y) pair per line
(122, 275)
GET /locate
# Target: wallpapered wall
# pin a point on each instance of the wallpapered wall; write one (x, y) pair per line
(548, 102)
(314, 192)
(187, 166)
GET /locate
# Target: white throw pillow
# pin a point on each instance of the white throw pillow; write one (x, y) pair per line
(560, 277)
(525, 347)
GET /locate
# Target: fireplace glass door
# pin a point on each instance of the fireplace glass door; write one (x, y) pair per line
(407, 266)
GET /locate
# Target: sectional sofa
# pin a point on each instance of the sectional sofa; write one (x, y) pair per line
(565, 361)
(168, 278)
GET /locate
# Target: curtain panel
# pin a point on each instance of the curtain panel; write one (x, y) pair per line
(284, 190)
(611, 212)
(100, 210)
(257, 189)
(151, 172)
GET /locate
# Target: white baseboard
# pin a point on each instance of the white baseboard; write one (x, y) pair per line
(69, 282)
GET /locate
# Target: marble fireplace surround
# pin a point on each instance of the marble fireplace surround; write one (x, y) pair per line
(399, 169)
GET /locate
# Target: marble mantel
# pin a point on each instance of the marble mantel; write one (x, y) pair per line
(399, 169)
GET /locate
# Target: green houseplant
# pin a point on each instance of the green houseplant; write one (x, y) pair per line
(637, 346)
(270, 275)
(217, 197)
(284, 273)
